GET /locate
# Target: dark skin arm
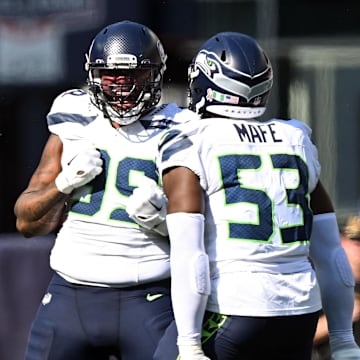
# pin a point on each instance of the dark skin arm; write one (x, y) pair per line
(183, 190)
(320, 202)
(40, 207)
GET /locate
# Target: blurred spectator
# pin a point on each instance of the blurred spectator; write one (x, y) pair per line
(350, 239)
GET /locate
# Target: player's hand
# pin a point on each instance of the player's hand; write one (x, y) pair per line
(192, 352)
(80, 170)
(346, 354)
(147, 206)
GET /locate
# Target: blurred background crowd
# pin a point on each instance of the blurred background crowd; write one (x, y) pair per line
(313, 44)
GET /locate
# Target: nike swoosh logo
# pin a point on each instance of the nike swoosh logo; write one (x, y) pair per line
(155, 206)
(150, 297)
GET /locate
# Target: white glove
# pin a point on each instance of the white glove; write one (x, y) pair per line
(147, 206)
(346, 354)
(80, 170)
(191, 352)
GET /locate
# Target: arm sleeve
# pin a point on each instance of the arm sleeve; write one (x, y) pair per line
(335, 279)
(190, 279)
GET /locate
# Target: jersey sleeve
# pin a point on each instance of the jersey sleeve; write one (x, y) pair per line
(310, 153)
(69, 113)
(313, 163)
(179, 147)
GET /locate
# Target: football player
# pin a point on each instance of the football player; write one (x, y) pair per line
(109, 295)
(246, 212)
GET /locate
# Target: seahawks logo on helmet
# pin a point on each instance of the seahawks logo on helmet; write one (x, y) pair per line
(230, 76)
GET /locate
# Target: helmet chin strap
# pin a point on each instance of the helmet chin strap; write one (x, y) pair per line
(114, 115)
(128, 116)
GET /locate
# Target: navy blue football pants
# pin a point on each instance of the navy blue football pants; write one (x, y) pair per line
(77, 322)
(249, 338)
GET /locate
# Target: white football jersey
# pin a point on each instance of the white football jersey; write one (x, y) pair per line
(257, 177)
(98, 243)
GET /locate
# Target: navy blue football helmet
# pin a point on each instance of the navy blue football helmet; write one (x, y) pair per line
(133, 52)
(230, 76)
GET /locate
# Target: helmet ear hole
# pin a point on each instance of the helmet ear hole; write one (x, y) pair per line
(223, 56)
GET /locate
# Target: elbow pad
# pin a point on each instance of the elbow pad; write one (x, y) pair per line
(326, 251)
(335, 277)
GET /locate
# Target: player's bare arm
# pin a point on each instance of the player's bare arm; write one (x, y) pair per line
(40, 208)
(183, 190)
(320, 200)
